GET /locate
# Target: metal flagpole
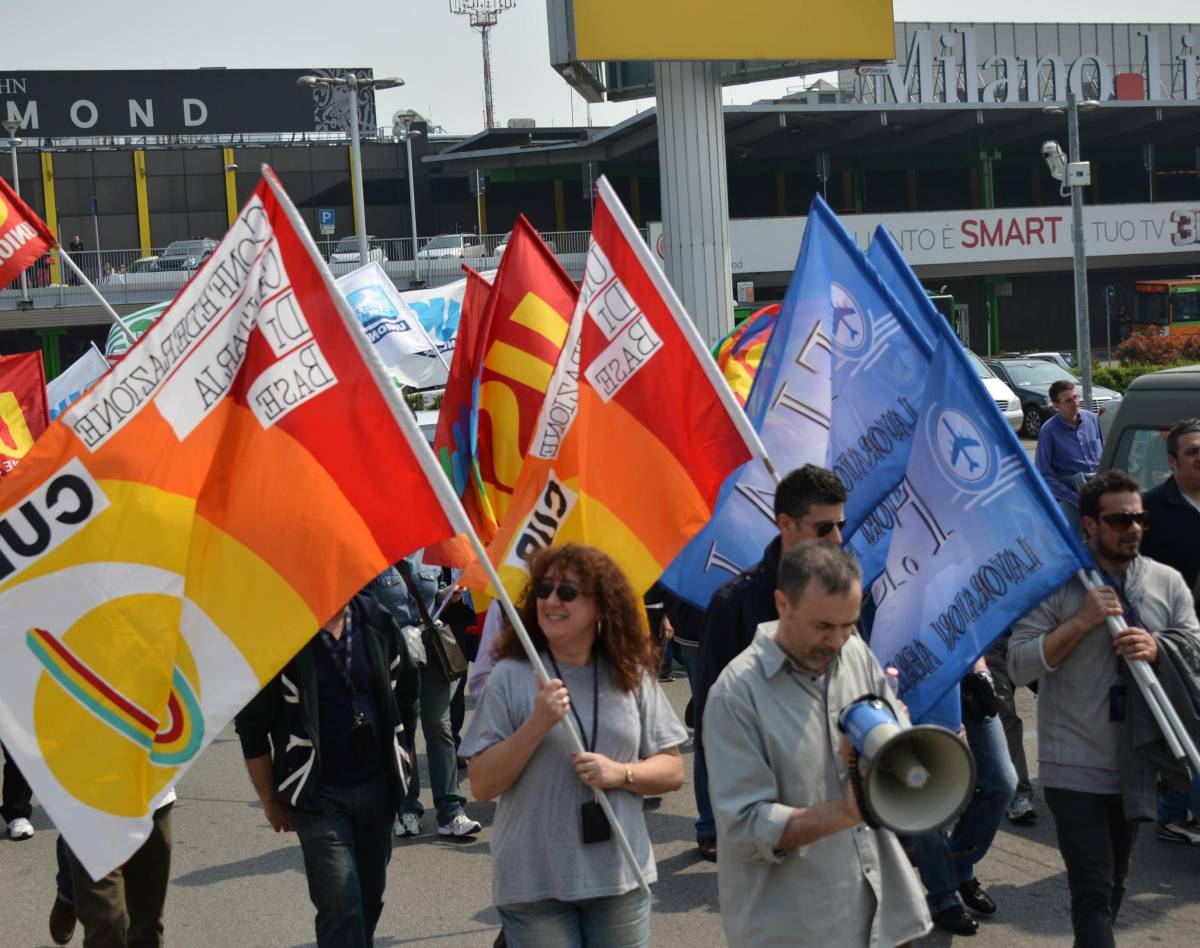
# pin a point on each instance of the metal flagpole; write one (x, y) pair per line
(451, 505)
(100, 296)
(1176, 735)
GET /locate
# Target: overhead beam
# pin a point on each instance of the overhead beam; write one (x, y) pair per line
(840, 134)
(937, 130)
(635, 140)
(753, 131)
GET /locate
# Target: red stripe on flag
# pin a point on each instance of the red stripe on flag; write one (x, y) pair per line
(121, 702)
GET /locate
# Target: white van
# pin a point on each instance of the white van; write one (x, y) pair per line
(1002, 395)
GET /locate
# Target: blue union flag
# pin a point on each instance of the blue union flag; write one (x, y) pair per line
(840, 385)
(970, 539)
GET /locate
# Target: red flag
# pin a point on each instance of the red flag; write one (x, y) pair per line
(23, 412)
(23, 235)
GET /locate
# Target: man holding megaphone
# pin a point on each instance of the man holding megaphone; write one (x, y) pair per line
(799, 866)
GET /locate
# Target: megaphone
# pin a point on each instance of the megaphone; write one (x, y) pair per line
(911, 780)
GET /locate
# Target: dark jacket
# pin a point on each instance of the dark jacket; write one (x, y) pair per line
(1173, 533)
(685, 619)
(281, 720)
(1144, 752)
(733, 616)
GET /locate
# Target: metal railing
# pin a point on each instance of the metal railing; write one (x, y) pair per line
(129, 277)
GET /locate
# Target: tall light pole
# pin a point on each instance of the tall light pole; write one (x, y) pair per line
(11, 126)
(353, 84)
(483, 15)
(407, 119)
(1075, 175)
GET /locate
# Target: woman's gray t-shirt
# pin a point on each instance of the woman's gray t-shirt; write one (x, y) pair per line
(537, 846)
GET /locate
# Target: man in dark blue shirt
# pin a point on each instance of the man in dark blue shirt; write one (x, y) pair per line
(322, 743)
(1068, 449)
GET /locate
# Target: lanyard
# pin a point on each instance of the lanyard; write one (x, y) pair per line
(347, 659)
(595, 699)
(1131, 613)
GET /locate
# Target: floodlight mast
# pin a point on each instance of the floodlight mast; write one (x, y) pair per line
(483, 15)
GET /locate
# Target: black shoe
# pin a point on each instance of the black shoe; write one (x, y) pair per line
(976, 898)
(62, 921)
(651, 803)
(707, 847)
(954, 919)
(687, 715)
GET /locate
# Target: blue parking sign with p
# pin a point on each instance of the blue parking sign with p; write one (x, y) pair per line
(325, 220)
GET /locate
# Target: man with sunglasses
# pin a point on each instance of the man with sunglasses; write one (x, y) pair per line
(809, 505)
(1065, 643)
(1174, 508)
(1069, 445)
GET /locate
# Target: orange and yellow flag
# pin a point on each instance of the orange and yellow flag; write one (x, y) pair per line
(638, 430)
(505, 357)
(23, 409)
(184, 528)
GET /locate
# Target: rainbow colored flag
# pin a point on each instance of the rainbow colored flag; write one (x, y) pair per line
(181, 530)
(637, 432)
(739, 353)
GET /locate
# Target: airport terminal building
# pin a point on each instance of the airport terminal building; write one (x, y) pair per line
(942, 146)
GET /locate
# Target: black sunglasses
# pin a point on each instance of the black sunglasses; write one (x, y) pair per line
(566, 591)
(1123, 521)
(825, 527)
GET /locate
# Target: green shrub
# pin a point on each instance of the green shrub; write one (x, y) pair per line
(1121, 377)
(416, 401)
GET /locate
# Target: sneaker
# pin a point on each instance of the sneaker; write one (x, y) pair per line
(409, 824)
(1020, 810)
(62, 921)
(1179, 832)
(20, 828)
(461, 825)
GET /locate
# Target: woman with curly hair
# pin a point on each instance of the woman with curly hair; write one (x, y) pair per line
(558, 879)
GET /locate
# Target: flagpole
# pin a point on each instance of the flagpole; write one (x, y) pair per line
(736, 413)
(100, 296)
(1176, 735)
(451, 505)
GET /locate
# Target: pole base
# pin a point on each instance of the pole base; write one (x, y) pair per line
(23, 305)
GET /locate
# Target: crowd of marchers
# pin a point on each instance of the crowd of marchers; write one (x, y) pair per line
(781, 649)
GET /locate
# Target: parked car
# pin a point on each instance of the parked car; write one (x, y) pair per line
(1135, 434)
(185, 254)
(451, 245)
(1064, 360)
(1001, 394)
(142, 265)
(503, 245)
(346, 251)
(1031, 380)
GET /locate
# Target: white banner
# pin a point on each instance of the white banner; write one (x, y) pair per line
(1004, 235)
(75, 380)
(394, 329)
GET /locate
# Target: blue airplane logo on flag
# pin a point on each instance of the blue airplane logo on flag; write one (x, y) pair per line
(960, 446)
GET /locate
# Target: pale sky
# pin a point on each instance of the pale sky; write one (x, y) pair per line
(434, 51)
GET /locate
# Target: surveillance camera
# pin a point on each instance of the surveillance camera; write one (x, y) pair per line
(1056, 161)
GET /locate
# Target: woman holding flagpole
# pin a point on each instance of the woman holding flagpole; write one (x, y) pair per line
(559, 879)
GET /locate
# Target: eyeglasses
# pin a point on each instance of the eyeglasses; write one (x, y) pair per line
(1123, 521)
(566, 591)
(825, 527)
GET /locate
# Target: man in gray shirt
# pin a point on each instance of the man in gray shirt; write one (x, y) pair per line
(1065, 643)
(798, 865)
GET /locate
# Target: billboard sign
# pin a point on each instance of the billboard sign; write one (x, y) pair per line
(1014, 238)
(77, 103)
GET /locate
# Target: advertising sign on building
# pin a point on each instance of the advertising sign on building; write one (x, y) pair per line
(1005, 239)
(178, 102)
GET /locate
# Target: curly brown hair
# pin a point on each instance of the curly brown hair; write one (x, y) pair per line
(623, 639)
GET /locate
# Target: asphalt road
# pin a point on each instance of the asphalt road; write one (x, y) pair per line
(236, 883)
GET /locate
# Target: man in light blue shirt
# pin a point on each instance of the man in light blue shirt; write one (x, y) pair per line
(1068, 449)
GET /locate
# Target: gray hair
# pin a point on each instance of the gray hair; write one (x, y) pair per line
(836, 570)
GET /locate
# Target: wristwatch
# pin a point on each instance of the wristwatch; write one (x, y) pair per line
(628, 775)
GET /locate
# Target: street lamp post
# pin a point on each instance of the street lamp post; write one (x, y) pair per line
(353, 84)
(407, 118)
(1075, 175)
(11, 126)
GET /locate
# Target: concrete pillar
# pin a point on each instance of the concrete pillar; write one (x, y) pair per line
(695, 192)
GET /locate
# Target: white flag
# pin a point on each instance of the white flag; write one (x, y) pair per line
(76, 380)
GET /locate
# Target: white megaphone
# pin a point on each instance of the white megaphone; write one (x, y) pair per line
(911, 780)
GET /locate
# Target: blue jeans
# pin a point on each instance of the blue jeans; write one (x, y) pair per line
(947, 860)
(706, 825)
(346, 837)
(440, 752)
(616, 921)
(1173, 805)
